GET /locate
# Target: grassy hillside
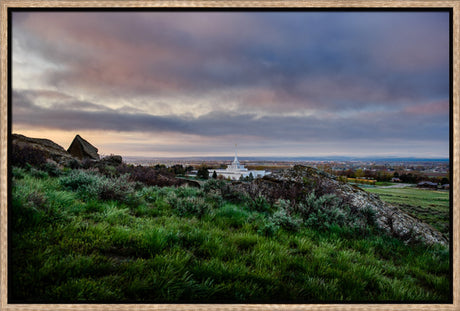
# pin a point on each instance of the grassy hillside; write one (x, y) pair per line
(83, 237)
(430, 206)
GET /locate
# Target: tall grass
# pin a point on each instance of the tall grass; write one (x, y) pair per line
(70, 244)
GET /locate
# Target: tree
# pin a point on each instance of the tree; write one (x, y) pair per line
(203, 172)
(159, 166)
(359, 173)
(177, 169)
(251, 177)
(214, 175)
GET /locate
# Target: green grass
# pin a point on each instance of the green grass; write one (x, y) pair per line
(70, 247)
(430, 206)
(384, 183)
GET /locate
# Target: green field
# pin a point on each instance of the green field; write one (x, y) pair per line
(82, 237)
(430, 206)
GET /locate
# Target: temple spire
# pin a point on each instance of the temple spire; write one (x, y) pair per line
(236, 155)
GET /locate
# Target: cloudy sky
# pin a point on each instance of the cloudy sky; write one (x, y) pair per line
(196, 83)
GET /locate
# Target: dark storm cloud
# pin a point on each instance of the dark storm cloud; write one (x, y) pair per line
(280, 78)
(325, 61)
(401, 125)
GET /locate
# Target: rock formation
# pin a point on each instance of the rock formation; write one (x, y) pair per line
(294, 183)
(52, 150)
(113, 160)
(82, 149)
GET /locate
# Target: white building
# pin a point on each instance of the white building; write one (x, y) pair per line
(236, 170)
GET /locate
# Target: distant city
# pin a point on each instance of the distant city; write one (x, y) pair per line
(379, 168)
(140, 159)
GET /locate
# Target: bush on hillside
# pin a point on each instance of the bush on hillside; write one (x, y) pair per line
(150, 176)
(72, 163)
(259, 204)
(27, 156)
(188, 205)
(313, 204)
(52, 169)
(78, 179)
(289, 223)
(37, 173)
(93, 186)
(224, 190)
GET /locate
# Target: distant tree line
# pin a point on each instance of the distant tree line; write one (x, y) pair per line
(410, 178)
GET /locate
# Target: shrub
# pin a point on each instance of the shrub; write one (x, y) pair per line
(268, 229)
(92, 186)
(282, 219)
(219, 188)
(214, 185)
(18, 173)
(324, 218)
(184, 192)
(188, 206)
(214, 200)
(26, 155)
(52, 169)
(114, 189)
(109, 189)
(192, 206)
(87, 163)
(369, 215)
(150, 176)
(259, 204)
(72, 163)
(38, 173)
(149, 194)
(324, 211)
(78, 179)
(314, 204)
(108, 170)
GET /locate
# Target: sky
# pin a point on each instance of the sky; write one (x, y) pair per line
(173, 84)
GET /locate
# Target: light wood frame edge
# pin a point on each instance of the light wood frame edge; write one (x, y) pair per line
(5, 4)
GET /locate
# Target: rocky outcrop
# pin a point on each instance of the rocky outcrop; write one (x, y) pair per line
(390, 218)
(298, 181)
(82, 149)
(45, 146)
(113, 160)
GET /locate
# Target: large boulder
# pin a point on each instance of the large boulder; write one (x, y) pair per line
(82, 149)
(113, 160)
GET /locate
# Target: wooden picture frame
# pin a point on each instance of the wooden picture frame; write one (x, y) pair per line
(5, 5)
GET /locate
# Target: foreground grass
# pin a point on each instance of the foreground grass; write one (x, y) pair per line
(430, 206)
(72, 247)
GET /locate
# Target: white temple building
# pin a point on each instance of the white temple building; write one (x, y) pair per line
(236, 170)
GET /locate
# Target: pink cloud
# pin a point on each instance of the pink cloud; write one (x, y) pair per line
(432, 108)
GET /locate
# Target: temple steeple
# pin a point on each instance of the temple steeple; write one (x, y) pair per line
(236, 164)
(236, 156)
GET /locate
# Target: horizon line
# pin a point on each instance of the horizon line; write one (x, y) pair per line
(294, 157)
